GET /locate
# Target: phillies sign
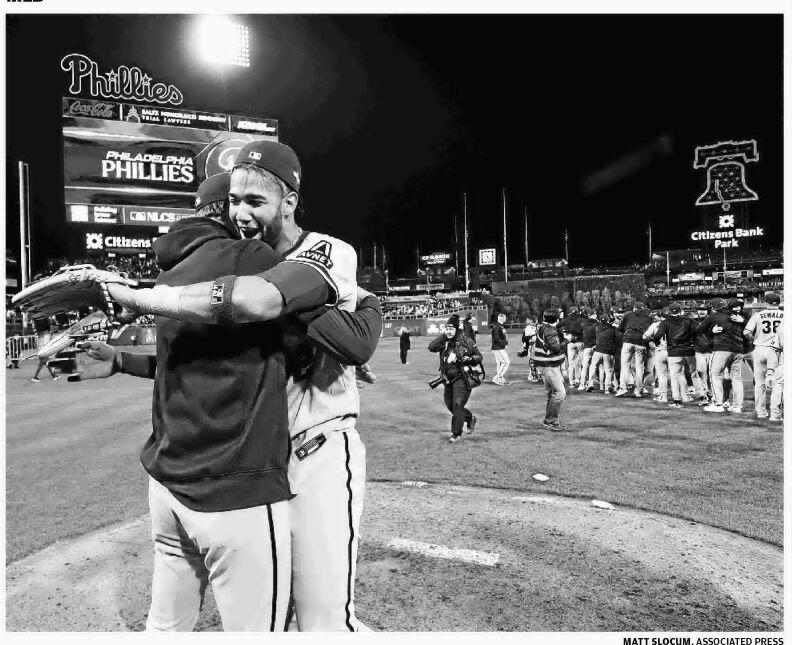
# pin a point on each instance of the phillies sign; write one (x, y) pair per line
(128, 83)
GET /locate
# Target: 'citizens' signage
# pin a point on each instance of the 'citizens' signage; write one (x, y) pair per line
(128, 83)
(102, 242)
(726, 239)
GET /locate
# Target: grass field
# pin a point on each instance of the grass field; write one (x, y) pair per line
(72, 467)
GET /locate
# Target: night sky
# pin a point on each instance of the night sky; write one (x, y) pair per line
(394, 117)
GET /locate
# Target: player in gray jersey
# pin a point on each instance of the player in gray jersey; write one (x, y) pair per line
(762, 329)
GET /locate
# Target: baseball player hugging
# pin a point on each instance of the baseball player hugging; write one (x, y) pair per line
(327, 465)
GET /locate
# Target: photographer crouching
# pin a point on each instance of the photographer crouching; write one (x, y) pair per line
(460, 372)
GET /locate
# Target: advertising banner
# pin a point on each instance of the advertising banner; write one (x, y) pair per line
(432, 259)
(125, 215)
(691, 277)
(772, 272)
(146, 158)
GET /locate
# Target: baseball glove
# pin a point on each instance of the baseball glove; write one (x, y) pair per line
(69, 289)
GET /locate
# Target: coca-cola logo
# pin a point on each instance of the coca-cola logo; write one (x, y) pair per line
(93, 109)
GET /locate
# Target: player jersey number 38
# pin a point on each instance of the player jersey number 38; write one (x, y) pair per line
(328, 394)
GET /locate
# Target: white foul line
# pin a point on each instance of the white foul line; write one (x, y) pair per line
(440, 551)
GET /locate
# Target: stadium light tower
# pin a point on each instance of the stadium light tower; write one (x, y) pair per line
(220, 40)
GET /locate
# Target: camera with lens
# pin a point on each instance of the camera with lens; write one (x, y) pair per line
(440, 380)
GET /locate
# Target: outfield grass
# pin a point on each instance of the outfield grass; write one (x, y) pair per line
(723, 470)
(72, 450)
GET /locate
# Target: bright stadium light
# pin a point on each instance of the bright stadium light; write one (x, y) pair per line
(221, 41)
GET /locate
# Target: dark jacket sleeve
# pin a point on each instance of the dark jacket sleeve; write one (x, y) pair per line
(438, 343)
(349, 337)
(705, 326)
(143, 365)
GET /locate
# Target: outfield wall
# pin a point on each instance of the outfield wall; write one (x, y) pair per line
(519, 299)
(431, 325)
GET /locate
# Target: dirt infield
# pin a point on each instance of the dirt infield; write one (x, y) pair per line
(562, 565)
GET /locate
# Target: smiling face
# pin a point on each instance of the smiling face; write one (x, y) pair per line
(259, 204)
(449, 330)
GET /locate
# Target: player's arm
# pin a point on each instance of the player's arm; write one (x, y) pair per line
(230, 299)
(662, 330)
(349, 337)
(438, 343)
(750, 328)
(108, 361)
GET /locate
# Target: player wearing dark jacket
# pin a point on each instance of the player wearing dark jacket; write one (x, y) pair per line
(679, 332)
(404, 344)
(588, 334)
(605, 346)
(499, 343)
(571, 335)
(634, 347)
(548, 357)
(702, 346)
(726, 327)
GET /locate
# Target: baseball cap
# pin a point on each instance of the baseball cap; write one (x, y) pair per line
(453, 319)
(772, 298)
(213, 189)
(639, 305)
(550, 315)
(675, 308)
(276, 157)
(734, 302)
(717, 303)
(587, 311)
(604, 318)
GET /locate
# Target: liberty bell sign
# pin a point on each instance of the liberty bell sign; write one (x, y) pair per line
(725, 163)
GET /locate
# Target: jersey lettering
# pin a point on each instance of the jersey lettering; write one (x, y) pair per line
(319, 252)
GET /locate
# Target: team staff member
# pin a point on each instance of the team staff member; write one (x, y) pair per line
(588, 326)
(548, 358)
(604, 348)
(327, 466)
(634, 347)
(499, 344)
(762, 329)
(404, 344)
(679, 333)
(726, 327)
(458, 355)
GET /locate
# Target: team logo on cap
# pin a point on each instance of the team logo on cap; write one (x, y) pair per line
(296, 176)
(254, 155)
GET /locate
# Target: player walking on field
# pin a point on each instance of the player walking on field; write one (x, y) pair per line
(499, 344)
(762, 329)
(548, 357)
(327, 465)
